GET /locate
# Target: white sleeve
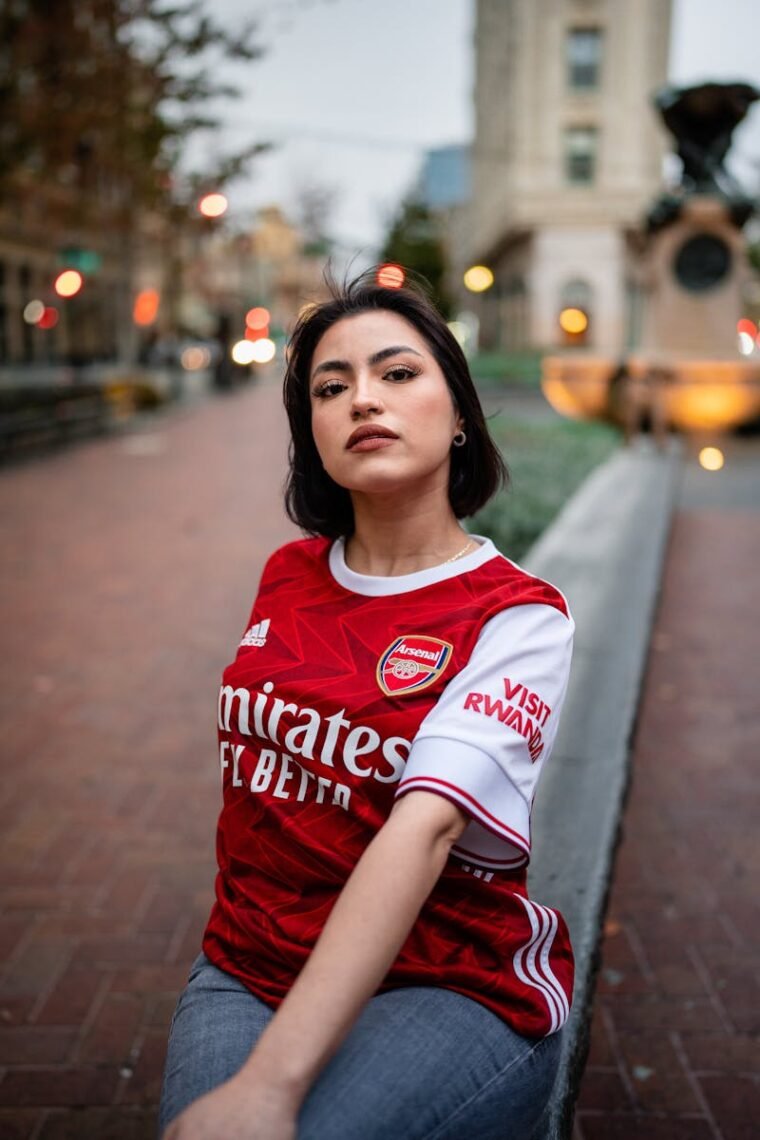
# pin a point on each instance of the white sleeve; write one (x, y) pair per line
(485, 742)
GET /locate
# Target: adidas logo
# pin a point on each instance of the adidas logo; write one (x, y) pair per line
(257, 634)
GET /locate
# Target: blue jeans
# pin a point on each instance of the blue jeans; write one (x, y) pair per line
(421, 1063)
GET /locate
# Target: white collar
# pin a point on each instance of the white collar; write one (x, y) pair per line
(376, 586)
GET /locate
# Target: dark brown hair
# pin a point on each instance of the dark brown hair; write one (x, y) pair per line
(313, 500)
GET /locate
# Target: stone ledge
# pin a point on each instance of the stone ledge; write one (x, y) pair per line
(605, 551)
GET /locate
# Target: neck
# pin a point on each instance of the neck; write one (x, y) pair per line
(393, 537)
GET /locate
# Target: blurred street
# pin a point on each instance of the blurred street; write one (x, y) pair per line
(129, 569)
(675, 1038)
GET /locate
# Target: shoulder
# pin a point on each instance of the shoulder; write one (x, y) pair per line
(505, 585)
(294, 558)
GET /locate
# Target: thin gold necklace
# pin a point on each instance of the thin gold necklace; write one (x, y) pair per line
(464, 549)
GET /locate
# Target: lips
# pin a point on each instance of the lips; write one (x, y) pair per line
(369, 432)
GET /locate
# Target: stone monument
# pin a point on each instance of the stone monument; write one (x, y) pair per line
(684, 370)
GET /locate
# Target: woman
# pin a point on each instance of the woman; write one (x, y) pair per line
(372, 967)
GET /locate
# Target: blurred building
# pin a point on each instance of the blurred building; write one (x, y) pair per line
(289, 266)
(438, 198)
(34, 249)
(171, 282)
(270, 264)
(567, 155)
(445, 177)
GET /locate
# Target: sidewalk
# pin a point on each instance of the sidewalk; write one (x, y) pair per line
(128, 572)
(676, 1030)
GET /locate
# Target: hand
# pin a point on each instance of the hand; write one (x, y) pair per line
(237, 1110)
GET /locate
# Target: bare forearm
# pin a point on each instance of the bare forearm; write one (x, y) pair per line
(361, 939)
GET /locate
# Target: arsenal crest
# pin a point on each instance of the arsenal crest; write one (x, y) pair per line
(412, 663)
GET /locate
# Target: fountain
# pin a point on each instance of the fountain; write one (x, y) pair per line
(683, 369)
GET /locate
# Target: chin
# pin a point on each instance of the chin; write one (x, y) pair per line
(393, 483)
(385, 476)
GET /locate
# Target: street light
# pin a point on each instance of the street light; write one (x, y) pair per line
(213, 205)
(243, 352)
(573, 321)
(711, 458)
(264, 350)
(478, 278)
(145, 309)
(68, 283)
(33, 312)
(195, 357)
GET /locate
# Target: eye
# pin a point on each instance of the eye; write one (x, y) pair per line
(328, 388)
(400, 372)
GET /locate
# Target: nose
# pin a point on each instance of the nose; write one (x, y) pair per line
(366, 399)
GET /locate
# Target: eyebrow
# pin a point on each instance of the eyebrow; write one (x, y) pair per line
(375, 358)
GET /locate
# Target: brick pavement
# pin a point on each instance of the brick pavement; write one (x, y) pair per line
(127, 572)
(128, 569)
(676, 1029)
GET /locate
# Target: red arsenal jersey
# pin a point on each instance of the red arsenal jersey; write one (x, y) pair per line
(349, 690)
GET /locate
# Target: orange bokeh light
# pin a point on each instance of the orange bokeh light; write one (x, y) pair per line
(213, 205)
(145, 309)
(258, 318)
(745, 325)
(68, 283)
(573, 321)
(390, 276)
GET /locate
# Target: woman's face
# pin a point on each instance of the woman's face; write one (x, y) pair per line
(382, 415)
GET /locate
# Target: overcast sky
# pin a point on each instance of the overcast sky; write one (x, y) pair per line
(354, 91)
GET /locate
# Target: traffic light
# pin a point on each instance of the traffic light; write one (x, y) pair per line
(49, 318)
(257, 323)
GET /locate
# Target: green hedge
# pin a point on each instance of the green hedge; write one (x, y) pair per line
(507, 369)
(547, 461)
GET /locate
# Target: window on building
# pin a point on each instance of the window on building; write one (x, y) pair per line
(581, 144)
(584, 58)
(576, 292)
(513, 331)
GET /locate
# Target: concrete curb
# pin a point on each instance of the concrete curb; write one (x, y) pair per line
(605, 551)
